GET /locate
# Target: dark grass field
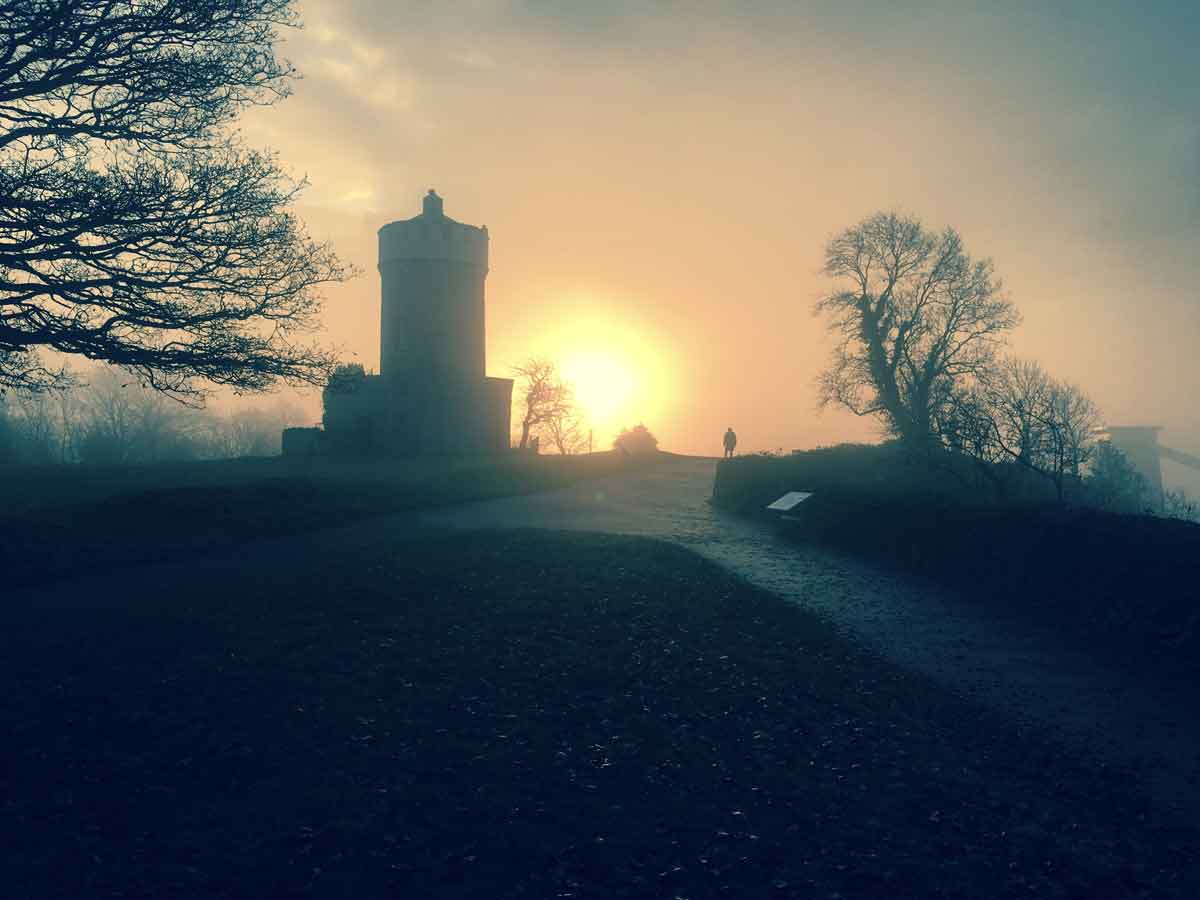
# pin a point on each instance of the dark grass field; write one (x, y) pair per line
(63, 521)
(527, 715)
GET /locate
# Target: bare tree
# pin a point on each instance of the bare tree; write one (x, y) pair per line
(916, 318)
(67, 404)
(1071, 425)
(134, 227)
(9, 450)
(122, 421)
(1017, 413)
(567, 433)
(45, 424)
(253, 431)
(544, 395)
(35, 421)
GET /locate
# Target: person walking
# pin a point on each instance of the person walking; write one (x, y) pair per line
(730, 442)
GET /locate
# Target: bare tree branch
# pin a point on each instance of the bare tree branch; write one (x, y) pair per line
(133, 228)
(1016, 413)
(546, 398)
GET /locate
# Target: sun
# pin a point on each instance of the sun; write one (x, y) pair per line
(605, 385)
(620, 370)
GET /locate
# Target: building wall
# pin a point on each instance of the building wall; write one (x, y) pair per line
(432, 322)
(352, 416)
(302, 442)
(369, 415)
(497, 421)
(432, 272)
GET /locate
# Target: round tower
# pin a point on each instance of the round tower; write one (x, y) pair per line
(432, 319)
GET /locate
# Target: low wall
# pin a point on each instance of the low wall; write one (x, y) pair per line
(302, 441)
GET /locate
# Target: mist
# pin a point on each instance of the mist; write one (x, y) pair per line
(680, 169)
(575, 449)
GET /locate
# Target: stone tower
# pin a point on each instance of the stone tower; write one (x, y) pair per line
(432, 324)
(433, 390)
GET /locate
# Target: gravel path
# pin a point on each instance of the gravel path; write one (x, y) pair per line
(1008, 663)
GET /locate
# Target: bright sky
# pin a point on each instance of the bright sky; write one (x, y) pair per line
(659, 181)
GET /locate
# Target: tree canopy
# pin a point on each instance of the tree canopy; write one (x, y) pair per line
(1016, 413)
(915, 315)
(134, 226)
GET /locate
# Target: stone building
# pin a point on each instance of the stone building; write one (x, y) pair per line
(432, 395)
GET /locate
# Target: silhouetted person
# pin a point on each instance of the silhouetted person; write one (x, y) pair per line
(534, 444)
(730, 442)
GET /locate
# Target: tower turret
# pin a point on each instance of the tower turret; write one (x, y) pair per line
(432, 269)
(433, 395)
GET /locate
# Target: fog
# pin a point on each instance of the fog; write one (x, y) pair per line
(678, 168)
(418, 647)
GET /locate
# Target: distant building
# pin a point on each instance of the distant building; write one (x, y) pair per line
(432, 395)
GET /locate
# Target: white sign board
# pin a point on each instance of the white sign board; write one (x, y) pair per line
(790, 500)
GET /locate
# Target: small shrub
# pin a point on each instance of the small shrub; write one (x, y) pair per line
(636, 441)
(1178, 505)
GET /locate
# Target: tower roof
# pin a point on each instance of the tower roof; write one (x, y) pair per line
(433, 212)
(433, 235)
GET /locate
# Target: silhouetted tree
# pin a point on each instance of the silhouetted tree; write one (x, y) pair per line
(1047, 425)
(66, 405)
(8, 435)
(124, 422)
(1016, 413)
(566, 432)
(251, 431)
(134, 227)
(545, 397)
(916, 318)
(104, 416)
(636, 441)
(1113, 483)
(45, 425)
(33, 427)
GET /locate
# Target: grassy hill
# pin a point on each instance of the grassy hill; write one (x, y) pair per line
(1125, 586)
(523, 715)
(62, 521)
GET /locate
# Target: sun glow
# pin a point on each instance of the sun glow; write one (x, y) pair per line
(604, 383)
(617, 377)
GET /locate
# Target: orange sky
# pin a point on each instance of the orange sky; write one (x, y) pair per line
(659, 181)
